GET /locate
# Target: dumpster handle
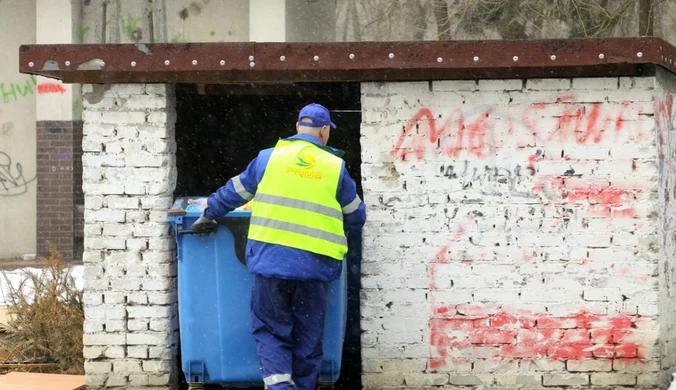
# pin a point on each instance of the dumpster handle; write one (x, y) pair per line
(184, 231)
(190, 231)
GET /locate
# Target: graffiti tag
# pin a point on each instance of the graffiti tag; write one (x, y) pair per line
(12, 179)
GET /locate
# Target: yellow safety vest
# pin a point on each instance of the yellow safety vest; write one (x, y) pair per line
(295, 203)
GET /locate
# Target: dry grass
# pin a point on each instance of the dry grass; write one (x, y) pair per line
(46, 317)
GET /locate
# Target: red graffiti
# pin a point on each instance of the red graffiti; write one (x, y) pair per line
(456, 133)
(463, 332)
(603, 199)
(582, 126)
(442, 255)
(51, 88)
(484, 131)
(489, 332)
(664, 112)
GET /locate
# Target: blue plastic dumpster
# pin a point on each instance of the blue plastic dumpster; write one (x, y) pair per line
(214, 290)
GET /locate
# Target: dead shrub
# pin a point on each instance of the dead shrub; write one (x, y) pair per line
(46, 315)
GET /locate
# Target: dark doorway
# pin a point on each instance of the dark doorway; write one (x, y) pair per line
(221, 128)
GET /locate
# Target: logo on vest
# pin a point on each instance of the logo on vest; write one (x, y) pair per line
(305, 163)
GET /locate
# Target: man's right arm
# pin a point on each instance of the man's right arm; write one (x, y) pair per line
(236, 192)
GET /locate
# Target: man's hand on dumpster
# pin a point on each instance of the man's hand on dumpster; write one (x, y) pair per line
(204, 225)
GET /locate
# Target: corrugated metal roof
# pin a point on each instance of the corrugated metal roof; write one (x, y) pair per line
(253, 62)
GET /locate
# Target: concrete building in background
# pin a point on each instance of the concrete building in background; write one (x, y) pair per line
(41, 120)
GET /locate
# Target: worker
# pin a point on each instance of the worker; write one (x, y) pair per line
(304, 202)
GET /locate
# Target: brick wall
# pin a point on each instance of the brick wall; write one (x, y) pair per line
(78, 194)
(512, 237)
(129, 259)
(59, 187)
(666, 146)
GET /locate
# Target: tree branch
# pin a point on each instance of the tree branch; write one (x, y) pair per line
(443, 20)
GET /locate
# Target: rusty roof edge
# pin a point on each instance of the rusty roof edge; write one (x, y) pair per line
(253, 61)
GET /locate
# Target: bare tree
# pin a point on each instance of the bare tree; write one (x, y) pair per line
(385, 20)
(443, 20)
(646, 19)
(507, 19)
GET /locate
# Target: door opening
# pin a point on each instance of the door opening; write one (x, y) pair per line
(221, 128)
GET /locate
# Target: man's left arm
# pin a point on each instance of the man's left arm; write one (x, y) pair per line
(354, 210)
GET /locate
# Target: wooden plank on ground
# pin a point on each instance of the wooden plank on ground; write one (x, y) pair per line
(36, 381)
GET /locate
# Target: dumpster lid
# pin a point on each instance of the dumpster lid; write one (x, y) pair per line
(193, 206)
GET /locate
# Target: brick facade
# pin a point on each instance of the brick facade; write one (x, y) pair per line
(59, 188)
(519, 234)
(130, 271)
(512, 236)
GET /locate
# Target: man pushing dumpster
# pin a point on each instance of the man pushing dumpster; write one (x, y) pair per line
(304, 201)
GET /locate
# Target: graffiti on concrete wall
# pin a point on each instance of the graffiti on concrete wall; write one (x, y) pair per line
(13, 182)
(46, 88)
(13, 92)
(80, 31)
(130, 26)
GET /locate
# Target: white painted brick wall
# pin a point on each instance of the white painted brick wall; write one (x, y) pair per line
(129, 178)
(665, 127)
(512, 236)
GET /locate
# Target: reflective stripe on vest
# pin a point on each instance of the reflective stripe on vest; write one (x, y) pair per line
(295, 203)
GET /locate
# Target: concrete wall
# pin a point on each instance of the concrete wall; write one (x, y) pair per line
(310, 21)
(17, 132)
(208, 21)
(513, 235)
(55, 100)
(57, 107)
(59, 139)
(665, 127)
(131, 21)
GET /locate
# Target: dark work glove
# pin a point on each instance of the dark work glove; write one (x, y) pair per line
(204, 225)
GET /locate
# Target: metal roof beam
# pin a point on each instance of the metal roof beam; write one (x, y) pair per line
(252, 62)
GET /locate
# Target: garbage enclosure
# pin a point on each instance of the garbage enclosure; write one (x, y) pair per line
(214, 290)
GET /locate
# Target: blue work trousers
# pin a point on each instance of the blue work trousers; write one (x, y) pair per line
(287, 319)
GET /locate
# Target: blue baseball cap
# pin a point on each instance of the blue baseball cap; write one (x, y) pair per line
(319, 114)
